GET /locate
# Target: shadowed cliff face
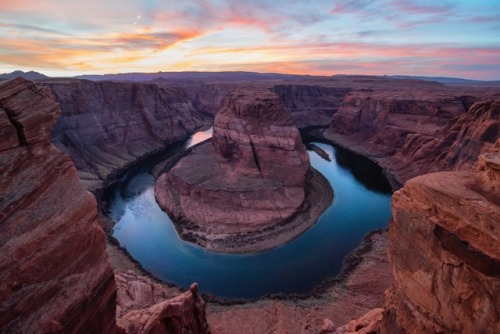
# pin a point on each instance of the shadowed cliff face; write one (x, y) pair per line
(54, 274)
(107, 125)
(311, 105)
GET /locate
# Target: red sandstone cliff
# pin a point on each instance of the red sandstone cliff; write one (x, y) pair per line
(105, 126)
(54, 274)
(445, 252)
(444, 248)
(417, 133)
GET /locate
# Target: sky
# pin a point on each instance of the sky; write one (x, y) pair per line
(456, 38)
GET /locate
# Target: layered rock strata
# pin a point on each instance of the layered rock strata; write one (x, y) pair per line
(311, 105)
(54, 273)
(251, 177)
(143, 307)
(445, 252)
(106, 126)
(411, 135)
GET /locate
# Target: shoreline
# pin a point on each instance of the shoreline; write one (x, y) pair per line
(121, 260)
(319, 196)
(318, 134)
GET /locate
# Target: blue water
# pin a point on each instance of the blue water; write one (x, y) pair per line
(296, 267)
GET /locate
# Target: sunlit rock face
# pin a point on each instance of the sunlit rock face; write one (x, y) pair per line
(54, 273)
(445, 252)
(252, 175)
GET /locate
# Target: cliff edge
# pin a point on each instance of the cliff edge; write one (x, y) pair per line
(444, 248)
(54, 273)
(445, 252)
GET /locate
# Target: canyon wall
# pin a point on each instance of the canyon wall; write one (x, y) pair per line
(445, 252)
(310, 105)
(410, 135)
(105, 126)
(252, 174)
(54, 274)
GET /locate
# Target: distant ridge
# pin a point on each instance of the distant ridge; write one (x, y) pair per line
(31, 75)
(449, 81)
(191, 76)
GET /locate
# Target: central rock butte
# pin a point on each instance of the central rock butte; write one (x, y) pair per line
(247, 185)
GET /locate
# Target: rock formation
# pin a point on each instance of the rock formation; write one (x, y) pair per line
(54, 274)
(445, 252)
(143, 308)
(311, 105)
(445, 255)
(252, 176)
(105, 126)
(413, 134)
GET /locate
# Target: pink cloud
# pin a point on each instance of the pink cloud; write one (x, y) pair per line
(416, 7)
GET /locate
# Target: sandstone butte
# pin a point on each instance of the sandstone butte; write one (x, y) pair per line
(251, 177)
(54, 272)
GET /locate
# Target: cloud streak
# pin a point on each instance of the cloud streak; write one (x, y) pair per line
(354, 36)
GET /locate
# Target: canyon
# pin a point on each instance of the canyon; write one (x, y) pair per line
(251, 177)
(442, 242)
(55, 275)
(107, 126)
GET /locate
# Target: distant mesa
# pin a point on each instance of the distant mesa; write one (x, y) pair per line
(238, 191)
(31, 75)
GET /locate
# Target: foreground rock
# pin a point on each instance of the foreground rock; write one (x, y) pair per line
(143, 308)
(445, 252)
(54, 274)
(251, 177)
(106, 126)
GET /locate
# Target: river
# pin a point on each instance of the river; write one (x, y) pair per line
(361, 204)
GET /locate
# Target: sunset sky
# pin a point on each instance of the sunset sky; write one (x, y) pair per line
(458, 38)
